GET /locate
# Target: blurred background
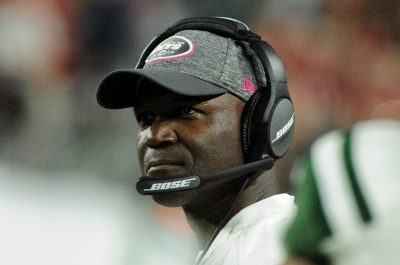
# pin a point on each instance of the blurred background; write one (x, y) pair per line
(68, 167)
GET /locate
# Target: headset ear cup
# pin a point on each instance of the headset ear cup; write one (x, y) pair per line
(281, 127)
(246, 123)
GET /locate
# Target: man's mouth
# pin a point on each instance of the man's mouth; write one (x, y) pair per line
(162, 166)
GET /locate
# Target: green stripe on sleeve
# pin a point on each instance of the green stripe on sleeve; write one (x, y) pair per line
(309, 227)
(360, 200)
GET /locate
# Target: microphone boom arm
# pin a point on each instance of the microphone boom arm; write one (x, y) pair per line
(150, 185)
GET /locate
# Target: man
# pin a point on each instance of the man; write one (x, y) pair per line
(349, 198)
(188, 99)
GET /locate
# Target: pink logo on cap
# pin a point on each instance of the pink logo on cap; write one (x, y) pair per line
(248, 85)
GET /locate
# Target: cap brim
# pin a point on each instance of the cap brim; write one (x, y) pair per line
(118, 89)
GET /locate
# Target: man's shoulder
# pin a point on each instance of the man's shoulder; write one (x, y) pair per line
(262, 223)
(270, 211)
(253, 236)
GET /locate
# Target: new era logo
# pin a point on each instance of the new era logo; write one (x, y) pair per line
(248, 85)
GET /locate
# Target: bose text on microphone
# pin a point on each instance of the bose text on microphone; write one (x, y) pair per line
(150, 185)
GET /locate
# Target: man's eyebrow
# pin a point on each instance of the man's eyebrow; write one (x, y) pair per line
(202, 104)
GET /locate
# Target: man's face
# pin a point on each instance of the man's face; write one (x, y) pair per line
(181, 136)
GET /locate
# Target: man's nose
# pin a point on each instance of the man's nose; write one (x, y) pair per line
(161, 133)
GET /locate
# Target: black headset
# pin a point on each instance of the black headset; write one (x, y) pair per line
(268, 117)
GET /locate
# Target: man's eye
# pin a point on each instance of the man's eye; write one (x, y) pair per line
(186, 111)
(145, 118)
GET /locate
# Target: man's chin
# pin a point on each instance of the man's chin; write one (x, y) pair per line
(173, 199)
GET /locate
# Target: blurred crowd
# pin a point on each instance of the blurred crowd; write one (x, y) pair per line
(342, 59)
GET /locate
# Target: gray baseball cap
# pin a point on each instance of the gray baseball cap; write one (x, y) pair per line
(191, 63)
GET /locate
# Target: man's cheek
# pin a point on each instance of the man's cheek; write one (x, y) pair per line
(140, 150)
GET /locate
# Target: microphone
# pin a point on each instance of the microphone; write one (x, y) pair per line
(150, 185)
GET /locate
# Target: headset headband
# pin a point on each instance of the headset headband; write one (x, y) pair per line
(229, 28)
